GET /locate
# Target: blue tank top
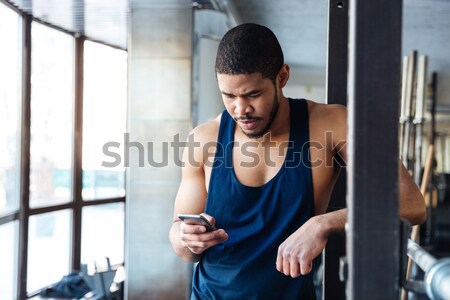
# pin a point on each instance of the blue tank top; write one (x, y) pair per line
(257, 220)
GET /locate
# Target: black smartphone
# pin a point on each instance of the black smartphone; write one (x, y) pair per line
(196, 220)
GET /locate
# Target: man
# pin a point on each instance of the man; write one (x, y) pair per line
(268, 187)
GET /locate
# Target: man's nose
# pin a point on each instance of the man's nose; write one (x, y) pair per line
(242, 107)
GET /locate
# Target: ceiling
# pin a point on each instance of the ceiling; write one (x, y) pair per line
(100, 20)
(301, 25)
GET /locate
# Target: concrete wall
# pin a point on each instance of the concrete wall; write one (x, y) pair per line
(209, 27)
(159, 108)
(306, 83)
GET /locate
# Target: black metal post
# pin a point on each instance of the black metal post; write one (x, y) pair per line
(373, 189)
(433, 107)
(337, 67)
(77, 154)
(24, 158)
(337, 58)
(430, 221)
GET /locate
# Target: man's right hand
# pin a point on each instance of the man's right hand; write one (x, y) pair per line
(197, 239)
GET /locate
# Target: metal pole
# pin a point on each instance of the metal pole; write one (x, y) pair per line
(419, 115)
(420, 256)
(337, 52)
(402, 120)
(374, 91)
(25, 159)
(77, 154)
(409, 109)
(433, 107)
(337, 65)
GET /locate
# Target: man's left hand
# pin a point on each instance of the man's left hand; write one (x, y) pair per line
(296, 253)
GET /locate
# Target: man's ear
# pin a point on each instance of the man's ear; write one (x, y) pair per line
(283, 75)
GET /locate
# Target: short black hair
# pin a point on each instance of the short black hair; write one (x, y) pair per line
(249, 48)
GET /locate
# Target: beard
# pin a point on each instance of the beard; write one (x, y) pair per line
(273, 113)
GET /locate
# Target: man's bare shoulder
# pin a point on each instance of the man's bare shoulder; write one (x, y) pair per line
(327, 116)
(207, 132)
(200, 141)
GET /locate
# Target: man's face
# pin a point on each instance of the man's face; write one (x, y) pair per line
(251, 100)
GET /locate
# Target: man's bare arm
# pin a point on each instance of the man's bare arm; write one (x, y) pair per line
(189, 241)
(295, 255)
(411, 202)
(412, 205)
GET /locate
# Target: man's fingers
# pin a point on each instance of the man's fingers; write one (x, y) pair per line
(198, 243)
(279, 263)
(189, 229)
(305, 267)
(288, 263)
(219, 235)
(295, 269)
(209, 218)
(286, 267)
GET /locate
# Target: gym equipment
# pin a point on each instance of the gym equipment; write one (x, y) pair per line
(419, 115)
(423, 189)
(436, 282)
(411, 124)
(407, 106)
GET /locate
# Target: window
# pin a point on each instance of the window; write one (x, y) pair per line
(10, 109)
(8, 242)
(104, 114)
(10, 99)
(103, 233)
(52, 103)
(57, 239)
(48, 248)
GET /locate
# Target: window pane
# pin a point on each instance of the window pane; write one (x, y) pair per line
(51, 116)
(48, 248)
(8, 259)
(104, 119)
(102, 233)
(10, 98)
